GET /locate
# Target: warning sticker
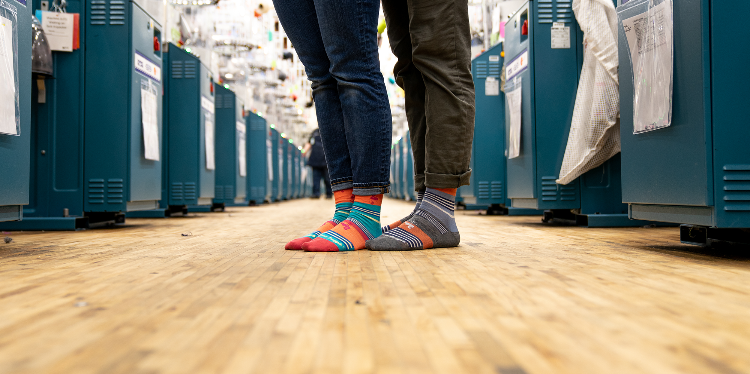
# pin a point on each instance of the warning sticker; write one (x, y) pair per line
(560, 37)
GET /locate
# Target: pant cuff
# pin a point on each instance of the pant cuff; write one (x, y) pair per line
(369, 189)
(419, 182)
(447, 180)
(341, 184)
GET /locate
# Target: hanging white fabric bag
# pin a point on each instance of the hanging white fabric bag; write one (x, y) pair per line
(595, 130)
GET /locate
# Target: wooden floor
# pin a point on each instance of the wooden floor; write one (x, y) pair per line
(516, 297)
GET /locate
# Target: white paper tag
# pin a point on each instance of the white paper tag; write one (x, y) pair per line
(149, 109)
(210, 132)
(558, 25)
(561, 38)
(7, 80)
(514, 105)
(144, 66)
(269, 159)
(517, 66)
(242, 147)
(59, 30)
(491, 87)
(207, 104)
(494, 58)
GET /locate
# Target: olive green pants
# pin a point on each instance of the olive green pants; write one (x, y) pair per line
(432, 40)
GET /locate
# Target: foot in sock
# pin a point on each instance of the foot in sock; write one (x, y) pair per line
(344, 201)
(433, 225)
(398, 223)
(362, 225)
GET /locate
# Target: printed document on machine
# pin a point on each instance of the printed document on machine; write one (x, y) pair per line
(7, 80)
(149, 108)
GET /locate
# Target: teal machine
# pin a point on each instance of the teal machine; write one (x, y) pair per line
(487, 190)
(231, 157)
(407, 170)
(276, 164)
(189, 172)
(297, 174)
(289, 170)
(549, 77)
(97, 125)
(258, 177)
(15, 128)
(396, 183)
(697, 171)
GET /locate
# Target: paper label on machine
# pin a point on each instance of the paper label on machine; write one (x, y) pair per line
(59, 28)
(210, 136)
(8, 99)
(149, 119)
(491, 87)
(560, 37)
(517, 66)
(242, 148)
(144, 66)
(513, 98)
(269, 159)
(650, 41)
(207, 104)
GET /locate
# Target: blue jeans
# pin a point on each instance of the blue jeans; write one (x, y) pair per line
(337, 42)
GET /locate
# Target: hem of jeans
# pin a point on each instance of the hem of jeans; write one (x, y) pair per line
(447, 180)
(369, 190)
(342, 186)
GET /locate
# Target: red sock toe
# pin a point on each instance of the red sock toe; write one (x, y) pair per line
(320, 245)
(296, 244)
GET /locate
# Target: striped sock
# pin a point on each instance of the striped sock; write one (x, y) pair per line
(420, 195)
(433, 225)
(344, 201)
(362, 225)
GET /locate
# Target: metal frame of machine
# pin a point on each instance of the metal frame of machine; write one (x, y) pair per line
(88, 155)
(549, 78)
(231, 134)
(697, 171)
(15, 151)
(188, 103)
(257, 163)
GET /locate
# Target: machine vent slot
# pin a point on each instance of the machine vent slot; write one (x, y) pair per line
(191, 69)
(737, 188)
(496, 190)
(219, 192)
(564, 11)
(190, 191)
(229, 192)
(177, 193)
(483, 190)
(257, 126)
(494, 70)
(545, 11)
(217, 101)
(549, 189)
(481, 69)
(98, 13)
(117, 13)
(96, 191)
(228, 102)
(115, 189)
(177, 70)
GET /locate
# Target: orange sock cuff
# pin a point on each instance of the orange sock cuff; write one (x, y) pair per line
(371, 199)
(450, 191)
(344, 196)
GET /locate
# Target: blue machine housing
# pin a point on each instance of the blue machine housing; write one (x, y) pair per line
(88, 152)
(277, 164)
(257, 162)
(289, 170)
(407, 169)
(231, 135)
(188, 103)
(697, 171)
(398, 175)
(550, 81)
(487, 190)
(14, 150)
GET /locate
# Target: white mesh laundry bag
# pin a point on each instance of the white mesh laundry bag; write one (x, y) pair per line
(595, 131)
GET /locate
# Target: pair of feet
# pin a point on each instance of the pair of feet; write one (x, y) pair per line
(356, 225)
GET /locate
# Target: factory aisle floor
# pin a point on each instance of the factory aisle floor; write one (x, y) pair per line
(516, 297)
